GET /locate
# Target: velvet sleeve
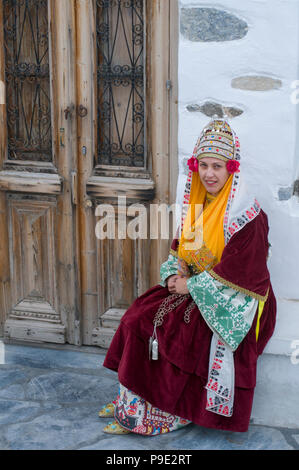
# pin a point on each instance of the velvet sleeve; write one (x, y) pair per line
(243, 264)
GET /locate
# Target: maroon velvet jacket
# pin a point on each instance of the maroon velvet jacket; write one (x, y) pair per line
(176, 382)
(244, 259)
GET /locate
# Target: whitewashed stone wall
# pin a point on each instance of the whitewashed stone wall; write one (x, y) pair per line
(242, 57)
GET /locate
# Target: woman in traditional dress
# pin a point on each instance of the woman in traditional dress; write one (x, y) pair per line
(186, 351)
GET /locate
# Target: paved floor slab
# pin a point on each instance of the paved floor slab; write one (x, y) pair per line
(49, 399)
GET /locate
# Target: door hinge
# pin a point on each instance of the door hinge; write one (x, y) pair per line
(61, 137)
(74, 186)
(168, 85)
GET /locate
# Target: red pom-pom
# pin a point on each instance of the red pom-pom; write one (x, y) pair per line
(232, 166)
(193, 164)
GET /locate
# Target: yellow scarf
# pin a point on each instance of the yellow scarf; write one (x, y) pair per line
(202, 246)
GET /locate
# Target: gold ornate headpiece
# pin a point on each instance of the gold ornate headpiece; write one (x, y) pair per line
(217, 141)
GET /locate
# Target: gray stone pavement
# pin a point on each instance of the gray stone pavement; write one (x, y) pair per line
(50, 397)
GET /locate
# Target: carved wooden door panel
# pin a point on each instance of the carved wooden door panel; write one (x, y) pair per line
(40, 291)
(89, 90)
(124, 146)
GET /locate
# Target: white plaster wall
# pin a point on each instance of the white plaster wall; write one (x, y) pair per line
(268, 129)
(276, 394)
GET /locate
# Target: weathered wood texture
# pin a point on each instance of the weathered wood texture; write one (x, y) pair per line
(109, 187)
(44, 302)
(127, 268)
(173, 98)
(62, 14)
(158, 74)
(110, 271)
(33, 283)
(4, 257)
(29, 182)
(32, 255)
(86, 132)
(35, 332)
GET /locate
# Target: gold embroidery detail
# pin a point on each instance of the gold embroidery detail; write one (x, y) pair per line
(208, 154)
(203, 259)
(238, 288)
(173, 253)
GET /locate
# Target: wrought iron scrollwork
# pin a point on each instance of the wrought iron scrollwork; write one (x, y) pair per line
(27, 79)
(120, 78)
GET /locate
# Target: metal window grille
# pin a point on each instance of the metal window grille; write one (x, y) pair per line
(120, 82)
(27, 80)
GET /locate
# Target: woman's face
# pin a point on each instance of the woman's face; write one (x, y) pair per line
(213, 174)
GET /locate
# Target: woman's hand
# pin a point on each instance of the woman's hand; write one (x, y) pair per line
(171, 283)
(177, 284)
(181, 285)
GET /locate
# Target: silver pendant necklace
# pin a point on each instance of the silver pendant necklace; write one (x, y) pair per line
(154, 346)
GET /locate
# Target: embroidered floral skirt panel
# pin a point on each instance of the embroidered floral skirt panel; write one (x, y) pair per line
(175, 383)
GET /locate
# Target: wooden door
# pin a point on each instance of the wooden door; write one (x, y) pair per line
(89, 91)
(40, 288)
